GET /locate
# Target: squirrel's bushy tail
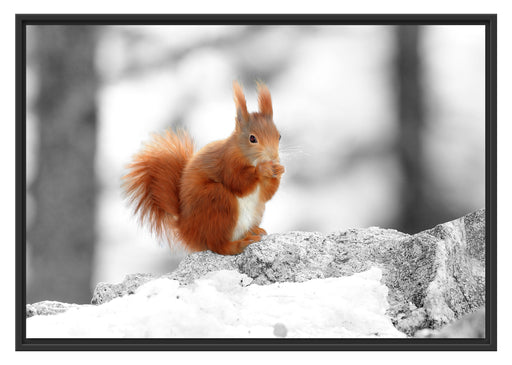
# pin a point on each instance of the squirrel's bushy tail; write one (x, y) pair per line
(153, 182)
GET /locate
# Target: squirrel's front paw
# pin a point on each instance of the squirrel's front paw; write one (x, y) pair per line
(270, 169)
(277, 169)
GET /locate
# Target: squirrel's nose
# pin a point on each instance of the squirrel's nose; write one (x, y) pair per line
(273, 156)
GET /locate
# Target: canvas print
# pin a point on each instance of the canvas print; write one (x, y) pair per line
(255, 181)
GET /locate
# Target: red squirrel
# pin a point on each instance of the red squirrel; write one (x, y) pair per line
(212, 199)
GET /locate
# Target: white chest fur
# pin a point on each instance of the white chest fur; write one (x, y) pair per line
(250, 211)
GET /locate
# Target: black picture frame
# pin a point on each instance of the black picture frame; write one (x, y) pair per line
(489, 343)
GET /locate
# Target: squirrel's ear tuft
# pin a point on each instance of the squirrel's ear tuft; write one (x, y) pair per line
(241, 106)
(264, 100)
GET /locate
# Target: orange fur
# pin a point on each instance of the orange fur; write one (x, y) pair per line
(264, 100)
(242, 115)
(209, 200)
(152, 185)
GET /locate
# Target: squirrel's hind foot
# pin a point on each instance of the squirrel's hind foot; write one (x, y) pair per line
(258, 231)
(236, 247)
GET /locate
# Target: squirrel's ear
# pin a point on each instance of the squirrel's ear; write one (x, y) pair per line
(264, 100)
(242, 116)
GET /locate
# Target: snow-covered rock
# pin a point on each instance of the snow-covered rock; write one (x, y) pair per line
(430, 279)
(105, 292)
(48, 307)
(221, 304)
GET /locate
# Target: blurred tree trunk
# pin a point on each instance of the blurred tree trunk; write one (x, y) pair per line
(410, 107)
(63, 234)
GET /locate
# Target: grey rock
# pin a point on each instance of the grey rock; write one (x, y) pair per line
(48, 307)
(105, 292)
(199, 264)
(471, 325)
(434, 277)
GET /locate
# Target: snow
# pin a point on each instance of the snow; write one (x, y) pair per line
(224, 304)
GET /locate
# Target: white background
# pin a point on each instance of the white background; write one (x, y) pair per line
(7, 266)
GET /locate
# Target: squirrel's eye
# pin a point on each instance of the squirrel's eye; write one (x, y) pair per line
(253, 139)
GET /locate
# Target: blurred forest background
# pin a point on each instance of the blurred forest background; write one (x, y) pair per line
(381, 126)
